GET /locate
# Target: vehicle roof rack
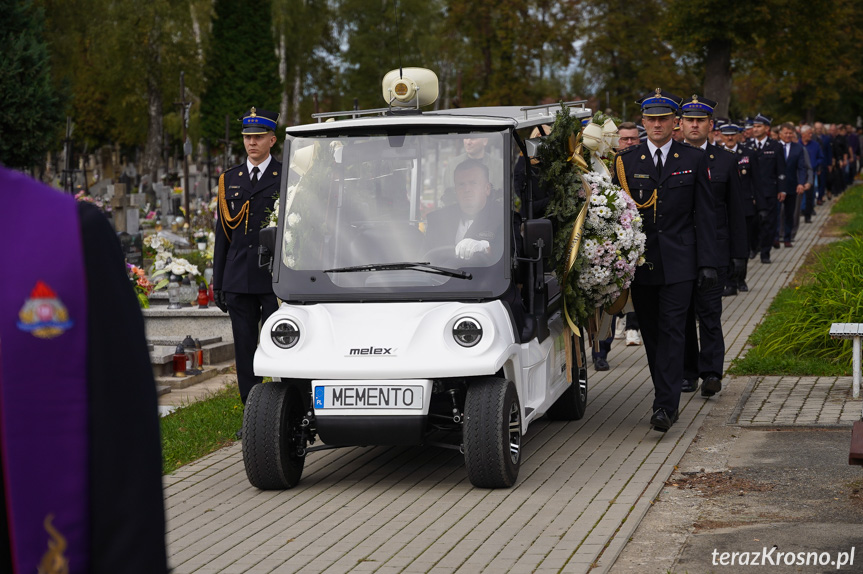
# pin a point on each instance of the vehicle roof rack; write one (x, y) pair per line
(354, 114)
(548, 107)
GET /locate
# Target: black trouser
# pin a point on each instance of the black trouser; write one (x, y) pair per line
(768, 226)
(248, 312)
(753, 232)
(791, 214)
(662, 316)
(707, 306)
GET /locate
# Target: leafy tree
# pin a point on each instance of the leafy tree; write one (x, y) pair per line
(241, 68)
(308, 49)
(31, 111)
(625, 54)
(372, 42)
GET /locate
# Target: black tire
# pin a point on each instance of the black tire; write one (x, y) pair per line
(271, 424)
(572, 404)
(492, 433)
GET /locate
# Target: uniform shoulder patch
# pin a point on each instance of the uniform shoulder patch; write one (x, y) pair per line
(234, 168)
(630, 149)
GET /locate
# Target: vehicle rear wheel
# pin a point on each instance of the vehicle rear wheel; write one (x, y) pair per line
(492, 433)
(570, 406)
(271, 431)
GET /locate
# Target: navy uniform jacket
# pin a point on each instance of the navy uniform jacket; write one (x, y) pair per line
(731, 236)
(681, 236)
(235, 255)
(747, 165)
(770, 175)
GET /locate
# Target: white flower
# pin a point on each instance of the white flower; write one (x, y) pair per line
(293, 219)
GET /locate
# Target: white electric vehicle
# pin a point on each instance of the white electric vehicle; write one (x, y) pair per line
(390, 330)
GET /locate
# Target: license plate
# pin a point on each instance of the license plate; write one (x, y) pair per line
(369, 397)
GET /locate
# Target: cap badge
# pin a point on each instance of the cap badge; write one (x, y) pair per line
(43, 314)
(658, 91)
(254, 114)
(694, 98)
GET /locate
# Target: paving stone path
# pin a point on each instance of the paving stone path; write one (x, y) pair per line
(583, 487)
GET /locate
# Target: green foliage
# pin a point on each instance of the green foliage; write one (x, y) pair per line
(31, 113)
(241, 68)
(200, 428)
(626, 53)
(563, 182)
(794, 336)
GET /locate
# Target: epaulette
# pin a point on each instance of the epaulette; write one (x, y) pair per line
(725, 149)
(234, 168)
(687, 144)
(627, 150)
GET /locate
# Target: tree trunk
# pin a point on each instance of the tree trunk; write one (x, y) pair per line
(283, 76)
(296, 94)
(152, 150)
(717, 76)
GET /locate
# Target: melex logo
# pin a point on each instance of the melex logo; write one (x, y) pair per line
(371, 351)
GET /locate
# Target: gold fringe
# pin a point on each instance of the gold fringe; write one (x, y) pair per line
(225, 214)
(621, 177)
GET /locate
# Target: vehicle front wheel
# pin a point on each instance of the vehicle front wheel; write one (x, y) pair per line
(492, 433)
(271, 431)
(570, 406)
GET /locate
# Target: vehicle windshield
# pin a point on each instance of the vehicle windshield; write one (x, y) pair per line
(395, 216)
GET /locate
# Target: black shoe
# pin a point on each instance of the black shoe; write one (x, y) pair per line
(765, 260)
(743, 287)
(661, 421)
(689, 386)
(807, 219)
(753, 253)
(775, 245)
(240, 434)
(711, 386)
(729, 291)
(600, 364)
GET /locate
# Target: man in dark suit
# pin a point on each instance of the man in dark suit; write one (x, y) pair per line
(754, 204)
(730, 224)
(473, 226)
(769, 178)
(247, 193)
(798, 179)
(669, 183)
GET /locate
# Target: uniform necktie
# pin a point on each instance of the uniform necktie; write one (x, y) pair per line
(255, 172)
(659, 161)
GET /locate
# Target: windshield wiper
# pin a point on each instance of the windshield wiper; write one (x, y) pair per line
(423, 266)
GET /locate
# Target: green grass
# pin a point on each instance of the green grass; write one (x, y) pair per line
(793, 338)
(200, 428)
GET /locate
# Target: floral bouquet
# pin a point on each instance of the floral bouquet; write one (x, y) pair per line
(598, 241)
(612, 243)
(143, 286)
(156, 244)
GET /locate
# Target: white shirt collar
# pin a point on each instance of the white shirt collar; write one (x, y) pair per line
(732, 149)
(664, 148)
(761, 142)
(261, 166)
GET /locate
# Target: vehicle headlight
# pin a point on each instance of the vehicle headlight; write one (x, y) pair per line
(467, 331)
(285, 334)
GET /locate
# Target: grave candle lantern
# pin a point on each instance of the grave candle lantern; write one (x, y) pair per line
(179, 362)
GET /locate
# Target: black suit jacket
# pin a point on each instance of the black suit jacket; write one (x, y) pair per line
(443, 223)
(681, 236)
(770, 172)
(747, 165)
(731, 237)
(797, 168)
(235, 254)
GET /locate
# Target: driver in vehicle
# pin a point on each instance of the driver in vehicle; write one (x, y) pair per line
(473, 225)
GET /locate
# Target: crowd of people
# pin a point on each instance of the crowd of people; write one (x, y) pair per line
(751, 187)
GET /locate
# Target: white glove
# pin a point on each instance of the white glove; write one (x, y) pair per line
(466, 248)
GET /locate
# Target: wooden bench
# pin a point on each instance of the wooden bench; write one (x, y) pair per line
(850, 331)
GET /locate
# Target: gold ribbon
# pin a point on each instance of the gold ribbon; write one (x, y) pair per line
(225, 214)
